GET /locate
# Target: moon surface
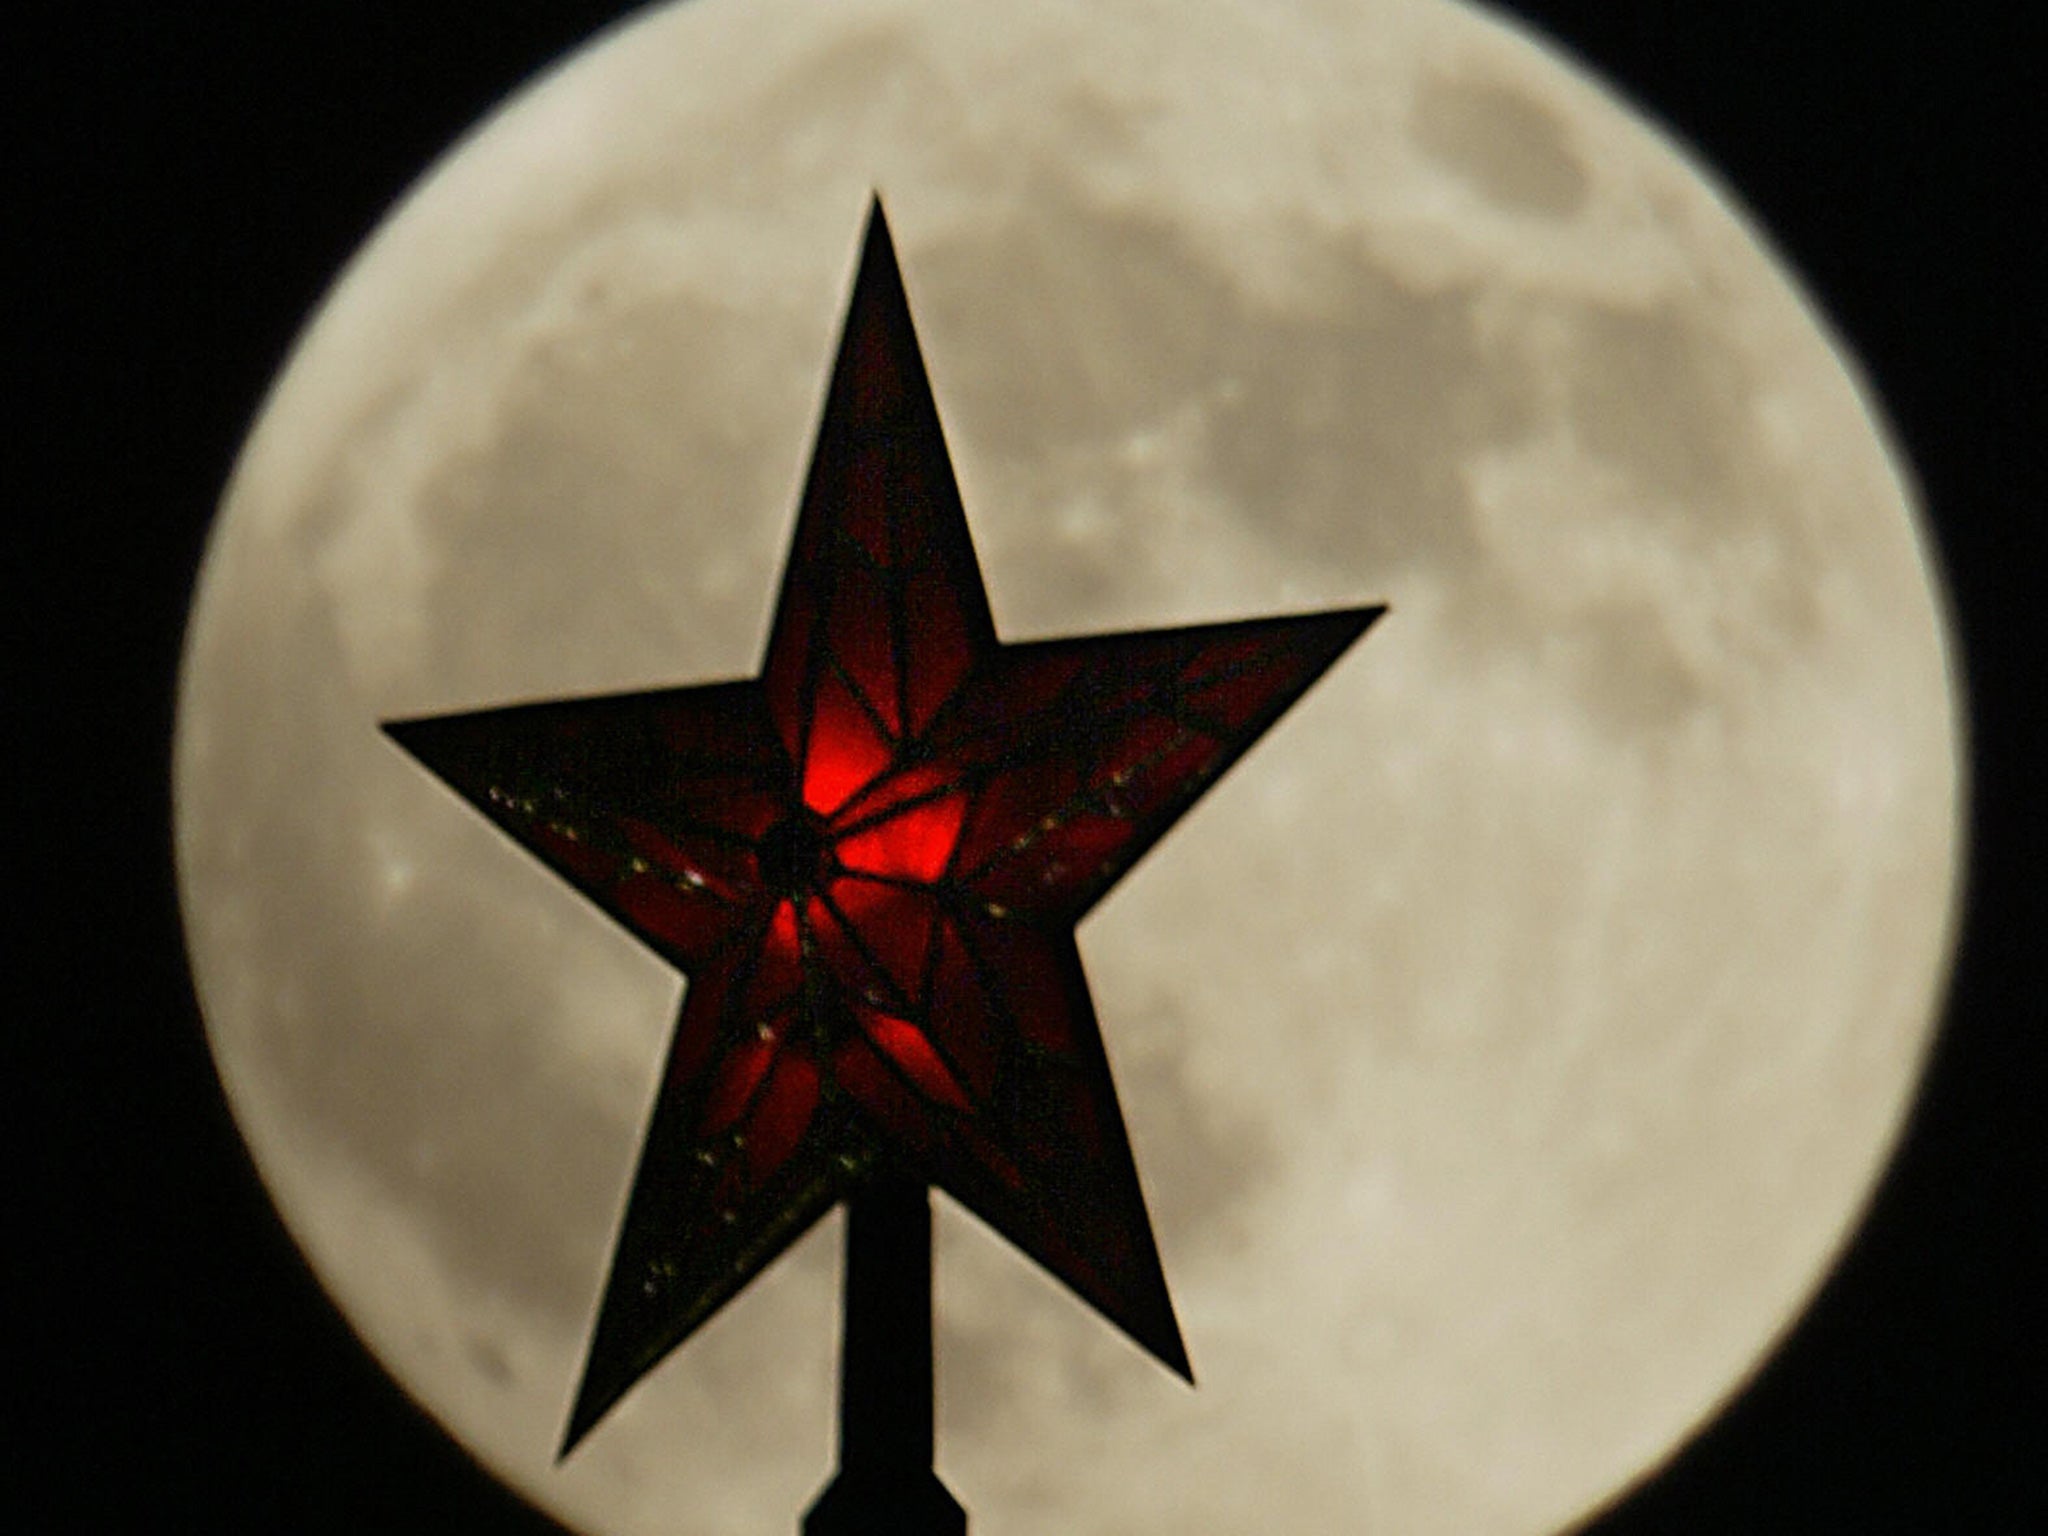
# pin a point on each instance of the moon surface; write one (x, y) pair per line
(1508, 1043)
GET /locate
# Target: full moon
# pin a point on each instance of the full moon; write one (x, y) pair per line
(1508, 1043)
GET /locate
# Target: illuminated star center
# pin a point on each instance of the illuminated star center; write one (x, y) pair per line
(797, 855)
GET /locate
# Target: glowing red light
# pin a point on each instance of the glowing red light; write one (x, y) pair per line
(846, 748)
(904, 1043)
(914, 844)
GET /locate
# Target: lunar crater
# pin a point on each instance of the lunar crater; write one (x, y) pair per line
(1509, 148)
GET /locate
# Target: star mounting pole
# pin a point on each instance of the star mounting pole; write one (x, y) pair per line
(869, 861)
(885, 1485)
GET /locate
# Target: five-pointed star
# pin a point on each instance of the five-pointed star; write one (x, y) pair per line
(869, 861)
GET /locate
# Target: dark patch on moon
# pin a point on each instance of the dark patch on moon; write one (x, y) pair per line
(1655, 393)
(488, 1360)
(1513, 151)
(1141, 327)
(1626, 673)
(1132, 325)
(1316, 399)
(1342, 461)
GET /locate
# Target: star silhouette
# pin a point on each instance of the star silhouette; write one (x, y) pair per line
(869, 861)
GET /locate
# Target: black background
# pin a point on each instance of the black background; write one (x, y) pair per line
(187, 180)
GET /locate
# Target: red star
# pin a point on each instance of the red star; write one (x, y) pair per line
(869, 862)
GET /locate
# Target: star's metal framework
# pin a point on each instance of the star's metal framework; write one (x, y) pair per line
(868, 861)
